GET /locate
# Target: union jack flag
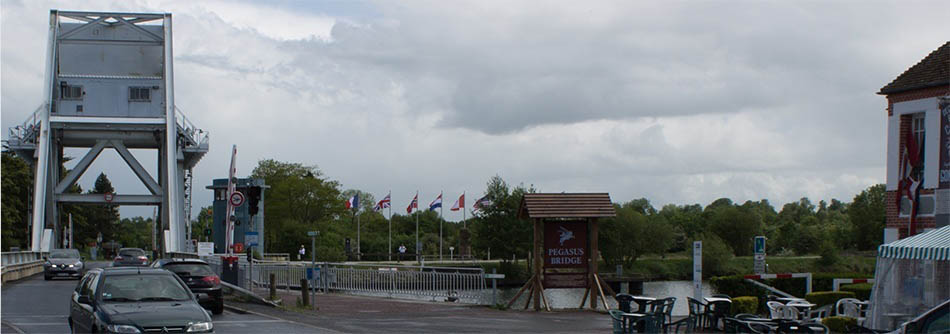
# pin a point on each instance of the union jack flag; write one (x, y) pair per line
(383, 203)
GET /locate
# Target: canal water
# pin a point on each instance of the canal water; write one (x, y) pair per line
(571, 298)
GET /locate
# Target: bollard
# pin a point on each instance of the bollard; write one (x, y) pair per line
(304, 293)
(273, 286)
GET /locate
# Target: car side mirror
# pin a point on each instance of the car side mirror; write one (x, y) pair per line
(83, 299)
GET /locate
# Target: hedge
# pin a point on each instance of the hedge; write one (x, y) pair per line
(839, 324)
(862, 291)
(745, 304)
(822, 298)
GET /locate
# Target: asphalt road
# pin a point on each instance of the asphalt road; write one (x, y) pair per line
(36, 306)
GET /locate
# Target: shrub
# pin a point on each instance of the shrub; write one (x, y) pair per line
(822, 298)
(839, 324)
(745, 304)
(861, 291)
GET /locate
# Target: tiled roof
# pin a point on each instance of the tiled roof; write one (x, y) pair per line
(589, 205)
(934, 70)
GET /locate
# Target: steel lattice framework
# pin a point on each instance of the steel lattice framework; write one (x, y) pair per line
(109, 83)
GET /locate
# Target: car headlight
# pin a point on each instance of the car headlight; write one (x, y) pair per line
(125, 329)
(54, 266)
(200, 327)
(71, 266)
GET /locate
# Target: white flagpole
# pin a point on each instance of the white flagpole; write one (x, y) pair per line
(441, 210)
(359, 253)
(390, 224)
(463, 209)
(416, 206)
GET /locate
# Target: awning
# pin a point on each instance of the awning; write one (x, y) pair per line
(933, 245)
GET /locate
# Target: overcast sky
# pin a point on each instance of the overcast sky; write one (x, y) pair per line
(678, 102)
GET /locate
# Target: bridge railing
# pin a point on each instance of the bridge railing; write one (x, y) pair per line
(464, 285)
(17, 265)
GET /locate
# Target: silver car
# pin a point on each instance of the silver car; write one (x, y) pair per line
(63, 263)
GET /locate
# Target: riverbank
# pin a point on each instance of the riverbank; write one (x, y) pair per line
(678, 267)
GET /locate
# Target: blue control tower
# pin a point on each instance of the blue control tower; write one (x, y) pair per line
(248, 217)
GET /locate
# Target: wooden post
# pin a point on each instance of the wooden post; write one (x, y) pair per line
(538, 260)
(594, 256)
(305, 292)
(584, 299)
(530, 281)
(273, 286)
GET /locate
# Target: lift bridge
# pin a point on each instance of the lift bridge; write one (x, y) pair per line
(109, 83)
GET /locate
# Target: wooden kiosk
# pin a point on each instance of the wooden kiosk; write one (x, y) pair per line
(565, 237)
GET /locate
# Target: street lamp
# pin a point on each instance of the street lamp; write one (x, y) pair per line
(451, 252)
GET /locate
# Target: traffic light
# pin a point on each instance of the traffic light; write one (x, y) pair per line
(208, 231)
(253, 200)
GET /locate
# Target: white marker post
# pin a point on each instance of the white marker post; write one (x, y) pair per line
(698, 270)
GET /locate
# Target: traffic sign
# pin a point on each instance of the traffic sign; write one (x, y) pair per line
(237, 198)
(238, 247)
(108, 197)
(250, 238)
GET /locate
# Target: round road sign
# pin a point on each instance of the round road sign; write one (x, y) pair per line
(108, 197)
(237, 198)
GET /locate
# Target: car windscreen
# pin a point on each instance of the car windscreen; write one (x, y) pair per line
(64, 254)
(190, 269)
(142, 288)
(131, 252)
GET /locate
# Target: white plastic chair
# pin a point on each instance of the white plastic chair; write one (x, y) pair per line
(774, 312)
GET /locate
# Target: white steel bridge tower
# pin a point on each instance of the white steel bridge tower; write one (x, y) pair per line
(109, 84)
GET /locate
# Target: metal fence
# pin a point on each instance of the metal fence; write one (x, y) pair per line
(464, 285)
(17, 265)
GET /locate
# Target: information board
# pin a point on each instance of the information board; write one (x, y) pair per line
(205, 248)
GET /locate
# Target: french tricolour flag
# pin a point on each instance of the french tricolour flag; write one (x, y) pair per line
(353, 202)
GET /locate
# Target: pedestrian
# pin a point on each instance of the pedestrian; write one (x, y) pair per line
(301, 253)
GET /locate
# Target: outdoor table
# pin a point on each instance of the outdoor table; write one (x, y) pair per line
(709, 300)
(803, 307)
(642, 302)
(630, 319)
(786, 300)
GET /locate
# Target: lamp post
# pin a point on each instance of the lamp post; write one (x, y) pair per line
(313, 265)
(451, 252)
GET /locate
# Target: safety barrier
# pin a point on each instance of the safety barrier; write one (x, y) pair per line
(837, 282)
(465, 285)
(17, 265)
(806, 276)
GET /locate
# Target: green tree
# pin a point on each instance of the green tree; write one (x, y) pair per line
(101, 217)
(736, 226)
(204, 221)
(631, 234)
(301, 199)
(17, 181)
(496, 227)
(868, 217)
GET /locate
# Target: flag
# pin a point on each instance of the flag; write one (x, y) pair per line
(911, 177)
(353, 202)
(414, 204)
(383, 203)
(480, 203)
(437, 203)
(459, 203)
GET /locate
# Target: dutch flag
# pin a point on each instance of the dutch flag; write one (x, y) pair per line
(437, 203)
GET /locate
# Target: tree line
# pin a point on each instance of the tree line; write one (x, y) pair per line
(301, 199)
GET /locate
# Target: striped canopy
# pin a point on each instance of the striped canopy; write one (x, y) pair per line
(933, 245)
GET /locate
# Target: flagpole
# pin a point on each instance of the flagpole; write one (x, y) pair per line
(418, 253)
(463, 209)
(359, 252)
(441, 212)
(390, 225)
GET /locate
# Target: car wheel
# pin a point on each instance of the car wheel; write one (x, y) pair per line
(46, 277)
(218, 307)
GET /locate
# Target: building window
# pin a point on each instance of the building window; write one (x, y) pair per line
(926, 208)
(919, 128)
(219, 195)
(70, 92)
(140, 94)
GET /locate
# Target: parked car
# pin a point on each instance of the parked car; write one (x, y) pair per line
(935, 320)
(135, 300)
(130, 257)
(200, 278)
(63, 263)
